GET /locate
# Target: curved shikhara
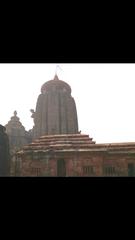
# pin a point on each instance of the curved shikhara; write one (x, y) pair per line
(55, 111)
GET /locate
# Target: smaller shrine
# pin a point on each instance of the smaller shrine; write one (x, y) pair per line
(18, 137)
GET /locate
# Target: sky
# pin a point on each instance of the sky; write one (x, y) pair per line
(104, 96)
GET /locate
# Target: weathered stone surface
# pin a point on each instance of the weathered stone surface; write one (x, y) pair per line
(4, 153)
(55, 110)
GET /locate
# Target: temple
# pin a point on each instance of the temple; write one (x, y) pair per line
(55, 110)
(59, 149)
(55, 146)
(18, 136)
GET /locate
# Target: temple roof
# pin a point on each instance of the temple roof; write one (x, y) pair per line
(14, 123)
(61, 142)
(75, 143)
(55, 84)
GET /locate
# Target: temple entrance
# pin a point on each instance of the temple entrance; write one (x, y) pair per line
(61, 168)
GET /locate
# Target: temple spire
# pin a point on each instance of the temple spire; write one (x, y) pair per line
(56, 70)
(56, 77)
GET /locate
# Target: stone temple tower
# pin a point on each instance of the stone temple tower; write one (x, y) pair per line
(17, 134)
(55, 110)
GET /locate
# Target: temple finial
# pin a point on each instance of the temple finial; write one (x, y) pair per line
(56, 70)
(15, 113)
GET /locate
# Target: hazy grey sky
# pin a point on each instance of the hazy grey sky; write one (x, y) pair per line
(104, 96)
